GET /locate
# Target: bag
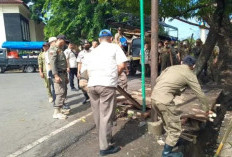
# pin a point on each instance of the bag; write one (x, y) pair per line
(85, 75)
(123, 41)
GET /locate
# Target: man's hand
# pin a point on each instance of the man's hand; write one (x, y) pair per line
(127, 72)
(58, 79)
(210, 112)
(211, 115)
(41, 75)
(67, 81)
(68, 70)
(121, 67)
(78, 75)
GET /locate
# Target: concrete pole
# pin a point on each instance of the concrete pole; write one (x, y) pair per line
(154, 48)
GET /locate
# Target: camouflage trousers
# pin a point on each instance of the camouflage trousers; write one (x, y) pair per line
(171, 120)
(47, 84)
(61, 90)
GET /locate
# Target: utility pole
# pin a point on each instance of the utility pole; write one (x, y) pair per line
(154, 48)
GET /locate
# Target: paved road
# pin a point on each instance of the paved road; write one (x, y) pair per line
(26, 115)
(26, 124)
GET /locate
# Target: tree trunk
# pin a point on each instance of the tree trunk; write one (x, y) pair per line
(206, 51)
(154, 41)
(154, 49)
(225, 60)
(217, 22)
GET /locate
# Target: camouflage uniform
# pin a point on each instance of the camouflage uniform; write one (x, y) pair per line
(59, 66)
(165, 58)
(184, 52)
(174, 57)
(42, 65)
(169, 84)
(196, 51)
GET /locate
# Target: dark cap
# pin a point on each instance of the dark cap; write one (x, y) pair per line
(189, 60)
(198, 40)
(85, 42)
(105, 33)
(63, 37)
(46, 44)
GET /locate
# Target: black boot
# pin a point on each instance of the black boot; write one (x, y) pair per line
(167, 152)
(110, 150)
(86, 98)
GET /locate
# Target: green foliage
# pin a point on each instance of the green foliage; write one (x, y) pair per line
(78, 19)
(132, 6)
(35, 9)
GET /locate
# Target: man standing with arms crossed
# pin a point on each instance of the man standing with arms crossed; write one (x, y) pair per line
(105, 64)
(59, 70)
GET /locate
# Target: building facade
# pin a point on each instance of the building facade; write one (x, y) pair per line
(15, 23)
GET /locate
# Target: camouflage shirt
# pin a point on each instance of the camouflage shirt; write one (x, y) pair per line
(165, 53)
(41, 62)
(196, 51)
(57, 60)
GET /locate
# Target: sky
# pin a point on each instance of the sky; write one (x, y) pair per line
(185, 30)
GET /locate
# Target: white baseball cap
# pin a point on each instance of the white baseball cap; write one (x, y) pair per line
(51, 39)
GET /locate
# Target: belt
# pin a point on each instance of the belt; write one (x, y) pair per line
(62, 71)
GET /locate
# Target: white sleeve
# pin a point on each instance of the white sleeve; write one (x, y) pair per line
(66, 53)
(120, 55)
(47, 58)
(79, 57)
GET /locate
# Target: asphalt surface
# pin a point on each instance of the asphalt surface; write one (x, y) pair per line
(26, 116)
(28, 129)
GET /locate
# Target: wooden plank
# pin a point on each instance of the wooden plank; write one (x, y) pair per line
(188, 101)
(129, 97)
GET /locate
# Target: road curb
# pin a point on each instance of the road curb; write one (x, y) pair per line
(58, 143)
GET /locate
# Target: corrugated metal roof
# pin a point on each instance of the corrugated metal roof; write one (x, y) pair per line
(11, 2)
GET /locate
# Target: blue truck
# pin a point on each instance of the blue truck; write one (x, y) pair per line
(24, 62)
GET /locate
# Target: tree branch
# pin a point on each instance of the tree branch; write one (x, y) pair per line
(191, 23)
(192, 9)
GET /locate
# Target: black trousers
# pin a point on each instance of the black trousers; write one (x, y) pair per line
(72, 73)
(51, 77)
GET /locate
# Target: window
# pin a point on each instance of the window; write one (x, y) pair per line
(25, 29)
(1, 54)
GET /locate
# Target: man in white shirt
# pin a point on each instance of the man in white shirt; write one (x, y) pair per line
(71, 57)
(94, 45)
(82, 69)
(105, 64)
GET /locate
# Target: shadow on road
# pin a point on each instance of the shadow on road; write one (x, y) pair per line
(73, 95)
(79, 109)
(129, 132)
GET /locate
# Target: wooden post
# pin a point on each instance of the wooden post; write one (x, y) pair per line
(154, 48)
